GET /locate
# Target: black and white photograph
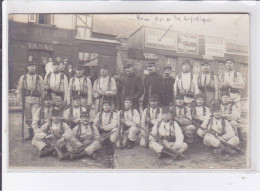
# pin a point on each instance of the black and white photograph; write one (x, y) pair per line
(128, 91)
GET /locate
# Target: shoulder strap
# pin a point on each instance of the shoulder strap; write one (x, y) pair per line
(204, 110)
(109, 84)
(157, 113)
(235, 76)
(61, 127)
(48, 79)
(110, 116)
(37, 80)
(84, 81)
(25, 81)
(61, 80)
(100, 118)
(159, 124)
(223, 122)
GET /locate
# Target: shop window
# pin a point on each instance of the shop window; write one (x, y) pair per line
(243, 71)
(47, 19)
(171, 61)
(32, 17)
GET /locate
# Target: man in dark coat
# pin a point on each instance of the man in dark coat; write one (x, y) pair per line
(152, 84)
(132, 85)
(167, 87)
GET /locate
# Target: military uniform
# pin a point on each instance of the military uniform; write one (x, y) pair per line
(221, 128)
(170, 133)
(104, 87)
(179, 113)
(152, 85)
(186, 84)
(42, 115)
(59, 130)
(129, 129)
(167, 90)
(87, 134)
(30, 87)
(81, 86)
(57, 84)
(209, 85)
(149, 117)
(132, 86)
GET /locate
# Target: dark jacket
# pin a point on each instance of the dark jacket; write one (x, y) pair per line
(133, 86)
(167, 91)
(155, 81)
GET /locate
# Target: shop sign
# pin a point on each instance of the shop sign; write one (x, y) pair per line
(160, 39)
(214, 47)
(231, 47)
(187, 44)
(42, 46)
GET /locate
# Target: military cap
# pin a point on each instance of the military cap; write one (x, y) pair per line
(47, 96)
(79, 67)
(30, 63)
(184, 61)
(166, 109)
(75, 96)
(56, 111)
(167, 67)
(216, 107)
(130, 98)
(200, 95)
(154, 97)
(204, 62)
(179, 96)
(129, 65)
(85, 113)
(150, 64)
(103, 67)
(224, 93)
(107, 101)
(230, 59)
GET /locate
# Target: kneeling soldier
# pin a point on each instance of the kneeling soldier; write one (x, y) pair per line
(128, 118)
(72, 115)
(87, 135)
(229, 111)
(182, 115)
(151, 115)
(106, 123)
(54, 133)
(169, 132)
(200, 113)
(43, 114)
(218, 130)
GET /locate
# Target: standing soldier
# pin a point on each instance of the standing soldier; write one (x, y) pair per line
(57, 83)
(151, 115)
(128, 118)
(232, 81)
(200, 113)
(229, 110)
(82, 86)
(104, 87)
(169, 132)
(48, 66)
(186, 83)
(132, 86)
(182, 115)
(87, 135)
(219, 129)
(73, 114)
(30, 87)
(167, 87)
(43, 113)
(152, 84)
(106, 122)
(208, 85)
(118, 96)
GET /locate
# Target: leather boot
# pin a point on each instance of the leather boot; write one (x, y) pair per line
(130, 144)
(31, 135)
(110, 148)
(46, 150)
(78, 155)
(166, 152)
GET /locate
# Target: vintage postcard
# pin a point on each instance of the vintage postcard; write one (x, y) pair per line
(128, 91)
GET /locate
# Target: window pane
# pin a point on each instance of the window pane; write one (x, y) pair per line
(41, 19)
(86, 56)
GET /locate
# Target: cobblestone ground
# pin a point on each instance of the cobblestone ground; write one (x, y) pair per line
(24, 155)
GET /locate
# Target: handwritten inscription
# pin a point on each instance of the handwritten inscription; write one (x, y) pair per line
(175, 18)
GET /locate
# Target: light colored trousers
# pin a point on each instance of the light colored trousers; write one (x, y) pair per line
(189, 132)
(93, 147)
(158, 147)
(113, 136)
(131, 134)
(29, 111)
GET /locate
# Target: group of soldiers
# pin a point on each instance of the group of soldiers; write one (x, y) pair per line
(165, 114)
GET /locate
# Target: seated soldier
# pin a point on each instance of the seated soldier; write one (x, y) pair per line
(218, 129)
(151, 115)
(229, 110)
(179, 114)
(200, 113)
(128, 118)
(55, 131)
(73, 114)
(170, 133)
(106, 123)
(87, 135)
(42, 114)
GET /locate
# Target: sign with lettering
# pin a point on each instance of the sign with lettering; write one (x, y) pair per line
(160, 39)
(231, 47)
(187, 44)
(214, 47)
(42, 46)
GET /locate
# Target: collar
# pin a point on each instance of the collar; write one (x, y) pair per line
(180, 106)
(184, 73)
(205, 73)
(230, 71)
(79, 76)
(104, 77)
(29, 73)
(56, 72)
